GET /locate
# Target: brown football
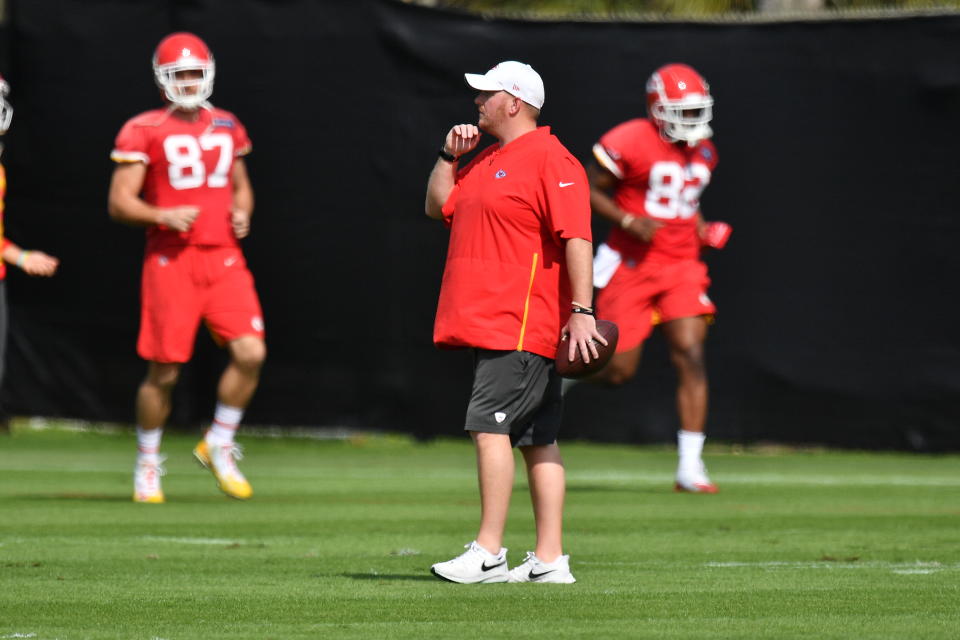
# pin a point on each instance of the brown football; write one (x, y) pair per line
(577, 368)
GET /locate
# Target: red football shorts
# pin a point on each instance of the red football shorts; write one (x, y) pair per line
(182, 286)
(641, 295)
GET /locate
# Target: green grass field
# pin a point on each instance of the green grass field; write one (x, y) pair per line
(339, 538)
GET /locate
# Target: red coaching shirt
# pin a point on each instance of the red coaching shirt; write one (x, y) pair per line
(659, 180)
(188, 163)
(510, 212)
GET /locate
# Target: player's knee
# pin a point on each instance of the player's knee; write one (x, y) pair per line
(250, 354)
(616, 374)
(163, 376)
(689, 360)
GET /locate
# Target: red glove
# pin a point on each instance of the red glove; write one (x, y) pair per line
(716, 234)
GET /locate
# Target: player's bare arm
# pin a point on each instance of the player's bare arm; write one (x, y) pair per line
(242, 200)
(461, 139)
(581, 327)
(31, 261)
(125, 205)
(602, 183)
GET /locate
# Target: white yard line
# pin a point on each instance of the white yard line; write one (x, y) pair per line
(176, 540)
(779, 479)
(900, 568)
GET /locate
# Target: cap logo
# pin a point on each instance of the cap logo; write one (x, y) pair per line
(185, 52)
(681, 85)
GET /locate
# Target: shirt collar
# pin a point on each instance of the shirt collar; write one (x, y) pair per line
(527, 139)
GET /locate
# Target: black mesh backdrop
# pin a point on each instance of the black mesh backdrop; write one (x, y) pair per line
(838, 144)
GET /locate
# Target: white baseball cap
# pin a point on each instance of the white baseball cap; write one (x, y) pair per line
(516, 78)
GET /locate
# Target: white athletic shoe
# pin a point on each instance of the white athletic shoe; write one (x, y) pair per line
(475, 565)
(534, 569)
(694, 480)
(146, 480)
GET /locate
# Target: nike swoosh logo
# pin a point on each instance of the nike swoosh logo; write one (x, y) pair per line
(534, 576)
(566, 184)
(484, 567)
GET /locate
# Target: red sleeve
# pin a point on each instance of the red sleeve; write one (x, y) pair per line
(566, 193)
(613, 148)
(707, 154)
(241, 140)
(131, 144)
(451, 202)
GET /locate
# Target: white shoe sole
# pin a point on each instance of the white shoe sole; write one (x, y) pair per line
(499, 577)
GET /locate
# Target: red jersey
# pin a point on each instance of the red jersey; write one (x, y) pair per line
(659, 180)
(505, 286)
(188, 163)
(3, 239)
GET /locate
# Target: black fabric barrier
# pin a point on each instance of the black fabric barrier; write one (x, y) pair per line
(838, 146)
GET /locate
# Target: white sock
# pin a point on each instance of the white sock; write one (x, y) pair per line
(690, 448)
(226, 419)
(148, 443)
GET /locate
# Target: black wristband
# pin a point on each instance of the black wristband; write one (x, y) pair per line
(589, 312)
(449, 157)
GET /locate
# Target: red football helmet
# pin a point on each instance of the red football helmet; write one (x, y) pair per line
(184, 52)
(6, 110)
(679, 103)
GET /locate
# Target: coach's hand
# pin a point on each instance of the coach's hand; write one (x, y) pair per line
(582, 330)
(461, 139)
(240, 220)
(178, 218)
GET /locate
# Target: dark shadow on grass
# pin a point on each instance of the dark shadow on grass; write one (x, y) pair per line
(106, 497)
(74, 495)
(585, 488)
(385, 576)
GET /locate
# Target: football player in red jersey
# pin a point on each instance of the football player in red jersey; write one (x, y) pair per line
(180, 173)
(647, 180)
(32, 262)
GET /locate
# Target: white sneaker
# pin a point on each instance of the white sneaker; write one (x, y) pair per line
(534, 569)
(146, 480)
(475, 565)
(694, 480)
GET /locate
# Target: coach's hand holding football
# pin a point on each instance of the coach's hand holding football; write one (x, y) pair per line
(581, 330)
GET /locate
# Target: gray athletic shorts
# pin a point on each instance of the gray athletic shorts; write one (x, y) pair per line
(515, 393)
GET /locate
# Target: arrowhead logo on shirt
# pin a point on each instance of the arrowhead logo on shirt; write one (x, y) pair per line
(500, 174)
(500, 416)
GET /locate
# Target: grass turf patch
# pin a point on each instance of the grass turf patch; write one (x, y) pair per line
(339, 537)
